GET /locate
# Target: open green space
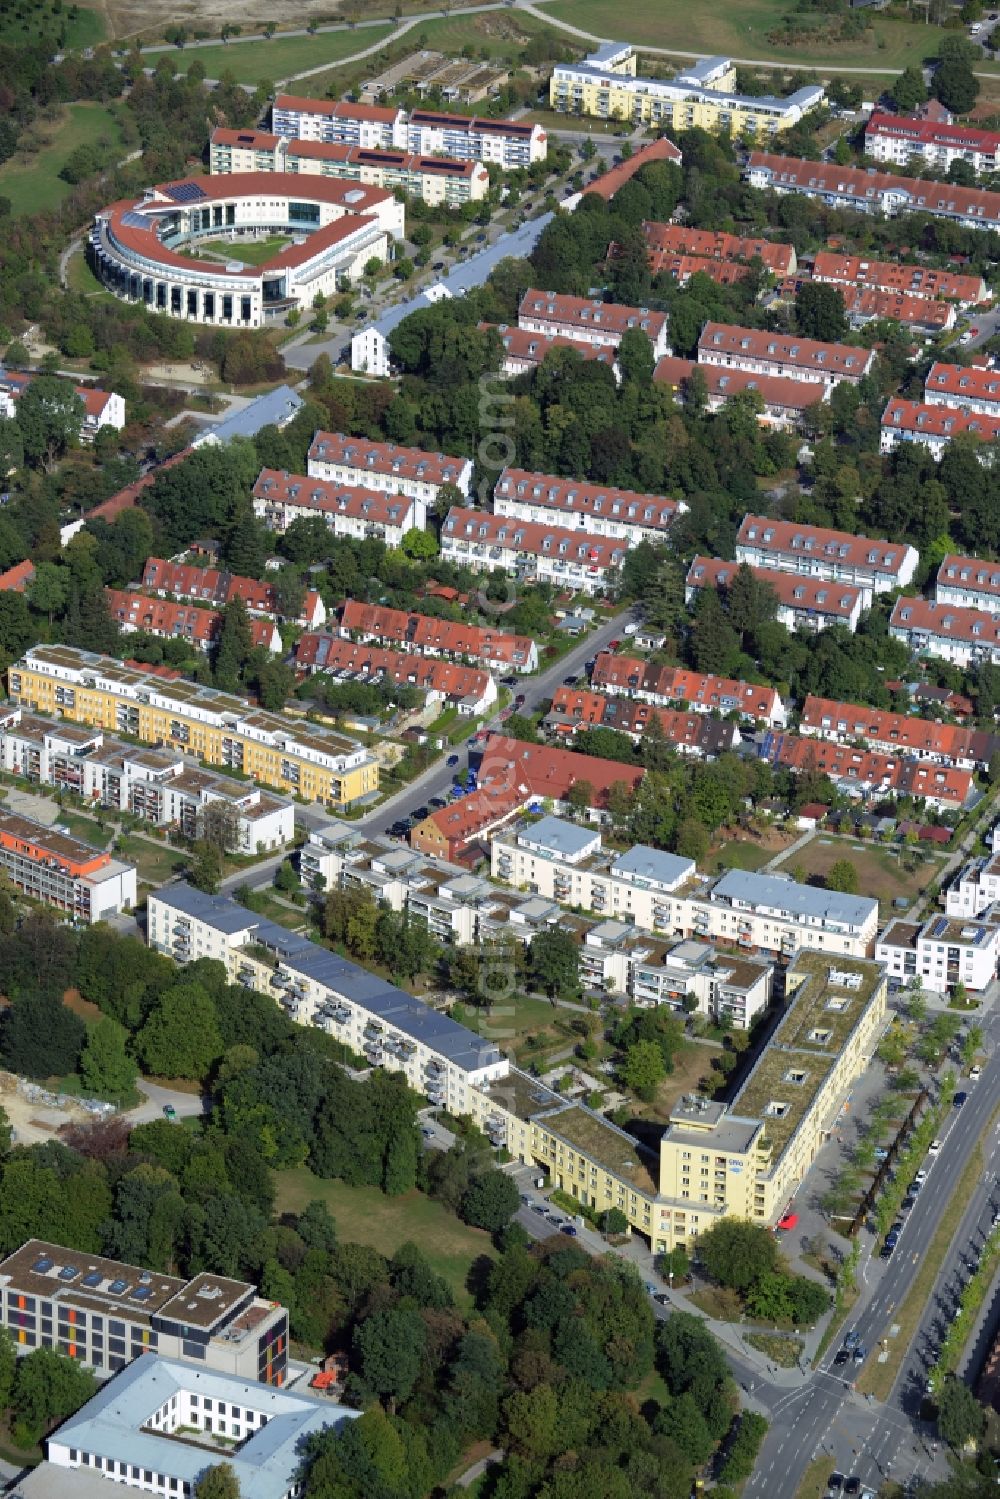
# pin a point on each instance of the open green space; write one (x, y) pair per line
(365, 1216)
(882, 872)
(83, 827)
(63, 26)
(281, 57)
(275, 910)
(250, 251)
(155, 862)
(741, 32)
(31, 180)
(739, 855)
(80, 278)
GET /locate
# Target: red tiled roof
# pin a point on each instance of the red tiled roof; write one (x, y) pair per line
(576, 497)
(784, 348)
(867, 187)
(900, 307)
(938, 421)
(964, 383)
(703, 690)
(777, 391)
(382, 156)
(183, 621)
(980, 575)
(816, 595)
(585, 313)
(542, 770)
(496, 647)
(328, 652)
(521, 343)
(904, 732)
(664, 240)
(578, 709)
(126, 498)
(931, 133)
(327, 496)
(385, 458)
(17, 578)
(533, 538)
(256, 140)
(785, 538)
(948, 621)
(477, 125)
(336, 109)
(658, 150)
(866, 769)
(886, 275)
(213, 586)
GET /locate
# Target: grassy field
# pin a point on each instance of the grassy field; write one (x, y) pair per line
(741, 32)
(281, 57)
(28, 23)
(814, 1484)
(81, 278)
(154, 862)
(32, 182)
(275, 910)
(739, 854)
(364, 1216)
(251, 252)
(880, 873)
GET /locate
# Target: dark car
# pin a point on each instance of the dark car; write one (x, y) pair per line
(420, 814)
(452, 760)
(835, 1482)
(853, 1485)
(519, 700)
(852, 1339)
(907, 1203)
(959, 1099)
(842, 1356)
(438, 265)
(567, 1228)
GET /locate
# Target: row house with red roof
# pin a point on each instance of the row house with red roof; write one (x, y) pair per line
(209, 585)
(469, 689)
(804, 605)
(134, 613)
(101, 408)
(689, 733)
(897, 733)
(871, 565)
(964, 388)
(866, 305)
(933, 427)
(965, 637)
(535, 553)
(498, 650)
(665, 241)
(784, 400)
(524, 351)
(866, 774)
(596, 509)
(835, 269)
(969, 582)
(280, 498)
(701, 692)
(583, 318)
(870, 191)
(766, 353)
(386, 467)
(904, 140)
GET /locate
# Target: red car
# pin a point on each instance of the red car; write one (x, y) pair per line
(613, 645)
(788, 1221)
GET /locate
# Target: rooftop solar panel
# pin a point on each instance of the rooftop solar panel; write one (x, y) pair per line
(118, 1287)
(185, 192)
(68, 1272)
(93, 1279)
(135, 220)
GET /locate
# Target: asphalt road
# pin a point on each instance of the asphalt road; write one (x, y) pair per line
(436, 781)
(825, 1415)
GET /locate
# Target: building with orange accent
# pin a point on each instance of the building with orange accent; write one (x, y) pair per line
(209, 585)
(17, 579)
(470, 690)
(104, 1313)
(601, 323)
(964, 637)
(524, 350)
(60, 871)
(279, 498)
(661, 149)
(785, 399)
(631, 676)
(965, 388)
(970, 582)
(933, 426)
(386, 466)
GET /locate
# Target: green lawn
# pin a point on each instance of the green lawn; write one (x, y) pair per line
(32, 182)
(274, 910)
(155, 862)
(81, 278)
(364, 1216)
(741, 31)
(281, 57)
(84, 828)
(882, 874)
(44, 18)
(741, 855)
(251, 252)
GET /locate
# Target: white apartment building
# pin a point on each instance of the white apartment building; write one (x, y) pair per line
(386, 467)
(685, 976)
(961, 636)
(279, 498)
(976, 887)
(804, 605)
(509, 144)
(763, 353)
(161, 786)
(934, 426)
(536, 553)
(933, 143)
(596, 509)
(661, 893)
(969, 582)
(964, 389)
(945, 951)
(599, 323)
(374, 126)
(315, 986)
(837, 556)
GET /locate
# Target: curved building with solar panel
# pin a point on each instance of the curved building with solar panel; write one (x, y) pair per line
(187, 249)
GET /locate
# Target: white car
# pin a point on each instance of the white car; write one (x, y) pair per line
(921, 1175)
(975, 1073)
(934, 1147)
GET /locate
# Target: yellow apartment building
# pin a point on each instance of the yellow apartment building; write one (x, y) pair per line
(221, 729)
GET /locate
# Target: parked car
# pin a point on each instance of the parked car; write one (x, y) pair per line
(835, 1483)
(934, 1147)
(842, 1356)
(920, 1176)
(452, 760)
(959, 1100)
(975, 1073)
(860, 1353)
(852, 1340)
(907, 1203)
(169, 1112)
(567, 1228)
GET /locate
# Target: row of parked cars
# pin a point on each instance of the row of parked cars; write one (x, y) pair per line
(554, 1219)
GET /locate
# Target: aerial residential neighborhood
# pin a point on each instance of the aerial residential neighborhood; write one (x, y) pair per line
(499, 750)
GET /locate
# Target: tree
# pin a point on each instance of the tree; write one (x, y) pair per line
(955, 84)
(218, 1482)
(390, 1346)
(106, 1069)
(40, 1037)
(49, 414)
(491, 1201)
(8, 1366)
(635, 355)
(960, 1416)
(181, 1037)
(420, 545)
(843, 876)
(819, 312)
(737, 1254)
(643, 1069)
(48, 1387)
(909, 90)
(234, 646)
(205, 867)
(554, 963)
(692, 841)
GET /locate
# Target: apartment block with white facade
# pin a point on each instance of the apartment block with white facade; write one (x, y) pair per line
(871, 565)
(969, 582)
(596, 509)
(967, 389)
(932, 143)
(280, 498)
(766, 353)
(509, 144)
(944, 951)
(600, 323)
(315, 986)
(804, 605)
(373, 126)
(962, 636)
(934, 426)
(975, 888)
(387, 467)
(536, 553)
(686, 976)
